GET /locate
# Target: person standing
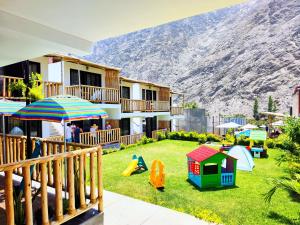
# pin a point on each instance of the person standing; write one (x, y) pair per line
(77, 134)
(68, 133)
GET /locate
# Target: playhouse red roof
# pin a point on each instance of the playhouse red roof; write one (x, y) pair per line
(202, 153)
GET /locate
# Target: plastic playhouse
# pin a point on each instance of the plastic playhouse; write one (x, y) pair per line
(258, 151)
(137, 165)
(157, 180)
(208, 167)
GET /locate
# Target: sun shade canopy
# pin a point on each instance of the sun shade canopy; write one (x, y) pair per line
(61, 108)
(7, 108)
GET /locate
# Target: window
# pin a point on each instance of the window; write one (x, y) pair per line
(86, 78)
(194, 167)
(149, 95)
(210, 168)
(74, 79)
(125, 92)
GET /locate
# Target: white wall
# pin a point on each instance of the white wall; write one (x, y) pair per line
(69, 65)
(136, 125)
(44, 66)
(136, 91)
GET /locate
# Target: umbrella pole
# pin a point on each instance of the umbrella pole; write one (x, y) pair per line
(65, 148)
(4, 141)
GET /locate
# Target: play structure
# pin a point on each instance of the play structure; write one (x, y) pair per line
(258, 151)
(137, 165)
(157, 180)
(243, 156)
(208, 167)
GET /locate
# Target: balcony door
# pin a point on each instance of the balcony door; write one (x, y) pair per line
(149, 95)
(151, 125)
(125, 126)
(86, 78)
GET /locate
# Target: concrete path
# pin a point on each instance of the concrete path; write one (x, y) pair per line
(123, 210)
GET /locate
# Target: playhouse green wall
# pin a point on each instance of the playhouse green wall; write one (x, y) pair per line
(212, 180)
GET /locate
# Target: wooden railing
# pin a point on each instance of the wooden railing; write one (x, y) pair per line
(161, 106)
(155, 133)
(49, 88)
(75, 161)
(132, 105)
(177, 110)
(131, 139)
(94, 94)
(100, 137)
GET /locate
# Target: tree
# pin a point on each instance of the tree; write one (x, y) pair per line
(191, 105)
(270, 104)
(255, 109)
(274, 106)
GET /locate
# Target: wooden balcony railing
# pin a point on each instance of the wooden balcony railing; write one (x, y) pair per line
(161, 106)
(49, 88)
(177, 110)
(94, 94)
(133, 105)
(75, 161)
(131, 139)
(100, 137)
(52, 88)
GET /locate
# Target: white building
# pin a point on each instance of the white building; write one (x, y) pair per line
(296, 101)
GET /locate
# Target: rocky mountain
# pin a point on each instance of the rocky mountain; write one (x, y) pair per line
(222, 59)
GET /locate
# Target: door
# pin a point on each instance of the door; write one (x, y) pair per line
(125, 126)
(151, 125)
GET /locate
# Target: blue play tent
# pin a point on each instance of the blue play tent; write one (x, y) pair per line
(243, 156)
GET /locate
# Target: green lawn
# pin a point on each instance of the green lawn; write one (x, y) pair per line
(241, 205)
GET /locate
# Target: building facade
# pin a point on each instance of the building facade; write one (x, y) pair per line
(134, 107)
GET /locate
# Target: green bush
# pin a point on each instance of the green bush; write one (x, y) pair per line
(213, 137)
(242, 140)
(122, 146)
(202, 138)
(145, 140)
(284, 142)
(161, 136)
(271, 143)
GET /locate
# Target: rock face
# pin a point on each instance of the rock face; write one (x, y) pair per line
(222, 60)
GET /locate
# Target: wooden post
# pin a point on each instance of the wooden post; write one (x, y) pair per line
(81, 182)
(100, 182)
(44, 194)
(9, 198)
(58, 187)
(92, 178)
(27, 193)
(71, 188)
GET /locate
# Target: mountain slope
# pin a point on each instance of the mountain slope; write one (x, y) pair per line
(222, 59)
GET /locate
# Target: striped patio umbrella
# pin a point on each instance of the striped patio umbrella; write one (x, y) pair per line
(62, 108)
(7, 108)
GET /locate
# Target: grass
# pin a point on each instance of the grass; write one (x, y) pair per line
(243, 204)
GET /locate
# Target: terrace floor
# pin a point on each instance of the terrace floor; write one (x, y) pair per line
(123, 210)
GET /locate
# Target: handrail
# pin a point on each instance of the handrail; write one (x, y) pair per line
(75, 161)
(100, 137)
(175, 110)
(132, 105)
(131, 139)
(94, 93)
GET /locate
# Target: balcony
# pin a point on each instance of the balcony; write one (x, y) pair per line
(94, 94)
(131, 105)
(49, 88)
(177, 111)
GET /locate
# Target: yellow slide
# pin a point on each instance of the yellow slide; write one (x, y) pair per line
(131, 168)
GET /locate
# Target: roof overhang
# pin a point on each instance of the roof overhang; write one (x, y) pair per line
(32, 28)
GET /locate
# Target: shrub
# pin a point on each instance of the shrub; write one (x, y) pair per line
(243, 141)
(161, 136)
(122, 146)
(202, 138)
(145, 140)
(213, 137)
(284, 142)
(271, 143)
